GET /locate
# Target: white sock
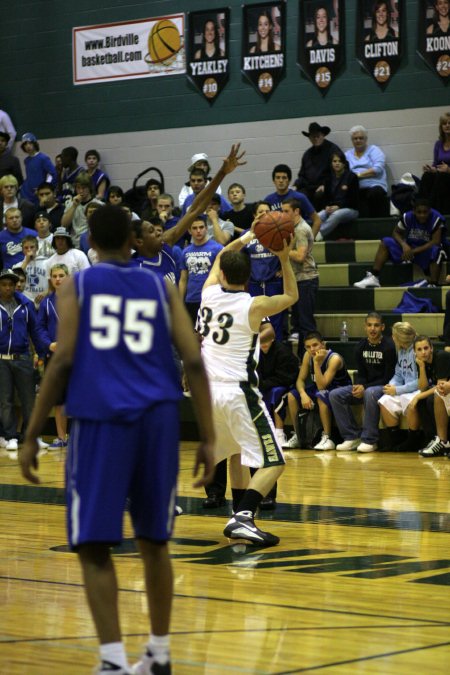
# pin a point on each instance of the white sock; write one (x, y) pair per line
(114, 652)
(159, 645)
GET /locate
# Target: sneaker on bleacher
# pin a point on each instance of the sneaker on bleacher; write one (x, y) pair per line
(369, 281)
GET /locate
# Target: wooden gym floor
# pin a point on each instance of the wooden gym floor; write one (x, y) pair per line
(360, 582)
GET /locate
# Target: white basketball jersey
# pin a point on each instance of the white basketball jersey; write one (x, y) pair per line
(230, 348)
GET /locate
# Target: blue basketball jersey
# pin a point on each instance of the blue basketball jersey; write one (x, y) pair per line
(123, 358)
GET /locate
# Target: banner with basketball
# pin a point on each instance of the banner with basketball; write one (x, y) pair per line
(122, 51)
(379, 37)
(433, 42)
(321, 41)
(207, 51)
(264, 45)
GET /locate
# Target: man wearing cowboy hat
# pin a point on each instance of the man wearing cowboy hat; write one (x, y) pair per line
(316, 164)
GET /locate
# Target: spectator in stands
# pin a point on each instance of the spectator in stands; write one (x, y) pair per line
(85, 244)
(375, 360)
(17, 325)
(281, 176)
(196, 262)
(115, 195)
(72, 258)
(198, 161)
(306, 273)
(7, 126)
(440, 27)
(165, 206)
(9, 198)
(46, 195)
(11, 238)
(74, 217)
(42, 226)
(315, 168)
(9, 165)
(369, 164)
(417, 408)
(241, 214)
(403, 386)
(35, 268)
(48, 323)
(440, 445)
(341, 196)
(100, 180)
(153, 189)
(327, 370)
(265, 272)
(278, 369)
(198, 181)
(435, 181)
(220, 230)
(418, 238)
(70, 171)
(39, 168)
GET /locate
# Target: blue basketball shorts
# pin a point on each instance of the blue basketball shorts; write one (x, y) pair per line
(111, 466)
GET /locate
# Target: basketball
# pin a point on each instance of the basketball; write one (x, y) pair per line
(164, 42)
(273, 228)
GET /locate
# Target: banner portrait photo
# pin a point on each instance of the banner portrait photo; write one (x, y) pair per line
(264, 45)
(379, 38)
(433, 42)
(207, 51)
(321, 40)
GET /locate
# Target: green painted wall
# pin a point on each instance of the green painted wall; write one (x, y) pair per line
(37, 91)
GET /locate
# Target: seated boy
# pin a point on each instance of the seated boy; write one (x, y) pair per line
(375, 358)
(417, 238)
(327, 370)
(277, 371)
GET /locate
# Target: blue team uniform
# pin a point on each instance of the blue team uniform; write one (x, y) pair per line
(164, 264)
(123, 394)
(306, 208)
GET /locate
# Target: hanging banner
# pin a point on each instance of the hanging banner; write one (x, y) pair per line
(321, 40)
(264, 45)
(123, 51)
(207, 51)
(379, 38)
(433, 43)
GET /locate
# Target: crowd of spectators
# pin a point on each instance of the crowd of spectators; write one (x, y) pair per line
(46, 210)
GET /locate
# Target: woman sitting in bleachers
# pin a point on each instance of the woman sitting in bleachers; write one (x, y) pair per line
(341, 196)
(435, 182)
(369, 164)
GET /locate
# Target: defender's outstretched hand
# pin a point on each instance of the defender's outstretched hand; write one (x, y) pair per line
(234, 158)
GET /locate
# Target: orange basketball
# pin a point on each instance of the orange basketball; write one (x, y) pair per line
(273, 228)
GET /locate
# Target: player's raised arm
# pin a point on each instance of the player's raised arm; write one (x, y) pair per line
(201, 201)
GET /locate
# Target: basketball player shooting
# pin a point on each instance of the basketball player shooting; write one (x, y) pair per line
(229, 323)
